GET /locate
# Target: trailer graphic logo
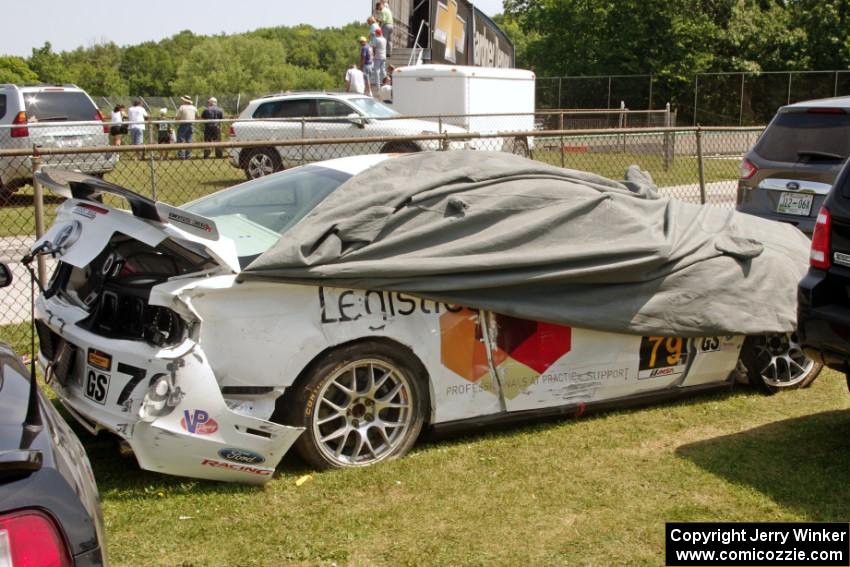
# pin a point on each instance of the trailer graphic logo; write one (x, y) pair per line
(450, 29)
(524, 349)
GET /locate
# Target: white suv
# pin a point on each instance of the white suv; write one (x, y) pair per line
(50, 116)
(295, 116)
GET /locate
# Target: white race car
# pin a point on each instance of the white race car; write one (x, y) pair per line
(147, 331)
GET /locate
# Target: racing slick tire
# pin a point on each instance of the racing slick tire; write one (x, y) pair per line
(360, 404)
(777, 362)
(260, 162)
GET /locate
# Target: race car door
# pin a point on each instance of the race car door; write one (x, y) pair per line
(541, 365)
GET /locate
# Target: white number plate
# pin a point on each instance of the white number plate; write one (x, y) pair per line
(795, 204)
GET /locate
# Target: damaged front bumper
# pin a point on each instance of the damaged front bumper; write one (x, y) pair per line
(166, 403)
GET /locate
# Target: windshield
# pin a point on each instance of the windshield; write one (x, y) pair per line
(254, 215)
(806, 136)
(372, 108)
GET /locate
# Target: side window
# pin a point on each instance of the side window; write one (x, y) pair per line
(2, 106)
(286, 109)
(334, 109)
(295, 108)
(265, 110)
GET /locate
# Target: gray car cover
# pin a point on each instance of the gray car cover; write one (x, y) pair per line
(522, 238)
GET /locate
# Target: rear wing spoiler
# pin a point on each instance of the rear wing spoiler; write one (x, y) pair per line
(76, 185)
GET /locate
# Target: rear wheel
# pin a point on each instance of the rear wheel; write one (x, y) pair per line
(261, 162)
(519, 147)
(777, 362)
(359, 405)
(399, 148)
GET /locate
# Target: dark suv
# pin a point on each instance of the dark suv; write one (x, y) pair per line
(788, 172)
(823, 314)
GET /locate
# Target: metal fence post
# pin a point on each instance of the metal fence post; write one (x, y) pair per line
(151, 164)
(38, 203)
(666, 149)
(303, 147)
(563, 159)
(700, 166)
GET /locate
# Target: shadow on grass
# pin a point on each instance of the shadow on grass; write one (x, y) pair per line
(802, 463)
(534, 424)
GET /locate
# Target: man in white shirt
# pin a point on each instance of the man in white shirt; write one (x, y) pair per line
(354, 80)
(136, 116)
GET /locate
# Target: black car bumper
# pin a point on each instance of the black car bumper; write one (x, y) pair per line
(823, 320)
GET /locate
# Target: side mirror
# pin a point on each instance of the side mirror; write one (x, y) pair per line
(5, 275)
(357, 120)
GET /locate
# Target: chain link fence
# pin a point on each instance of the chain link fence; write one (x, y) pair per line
(690, 164)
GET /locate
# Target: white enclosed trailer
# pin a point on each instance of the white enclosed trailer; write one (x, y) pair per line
(470, 97)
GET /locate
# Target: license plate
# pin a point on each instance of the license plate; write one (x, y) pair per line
(97, 385)
(795, 204)
(69, 142)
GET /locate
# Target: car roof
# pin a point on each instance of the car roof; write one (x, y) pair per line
(307, 94)
(833, 102)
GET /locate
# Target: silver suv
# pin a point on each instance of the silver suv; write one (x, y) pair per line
(295, 116)
(790, 169)
(50, 116)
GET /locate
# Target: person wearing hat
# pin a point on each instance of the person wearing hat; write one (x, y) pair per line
(212, 130)
(379, 48)
(165, 132)
(367, 60)
(185, 116)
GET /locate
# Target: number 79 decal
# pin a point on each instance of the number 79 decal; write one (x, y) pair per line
(662, 356)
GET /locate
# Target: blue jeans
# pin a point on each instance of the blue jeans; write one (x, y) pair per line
(380, 71)
(184, 136)
(137, 136)
(367, 73)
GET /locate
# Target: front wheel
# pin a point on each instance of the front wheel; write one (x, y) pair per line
(777, 362)
(261, 162)
(361, 404)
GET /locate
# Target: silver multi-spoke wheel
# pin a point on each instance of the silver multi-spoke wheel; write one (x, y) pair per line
(260, 163)
(363, 412)
(777, 362)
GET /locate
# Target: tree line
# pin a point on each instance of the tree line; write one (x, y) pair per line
(676, 39)
(260, 61)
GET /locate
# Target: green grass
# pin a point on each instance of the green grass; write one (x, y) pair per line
(591, 491)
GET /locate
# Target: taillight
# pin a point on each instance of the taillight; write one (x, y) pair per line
(232, 132)
(98, 115)
(819, 256)
(747, 169)
(29, 538)
(20, 132)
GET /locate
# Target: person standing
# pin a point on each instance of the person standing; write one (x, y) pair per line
(354, 81)
(379, 47)
(385, 18)
(116, 125)
(367, 59)
(136, 116)
(212, 130)
(165, 133)
(185, 115)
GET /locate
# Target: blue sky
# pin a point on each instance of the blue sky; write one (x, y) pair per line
(68, 24)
